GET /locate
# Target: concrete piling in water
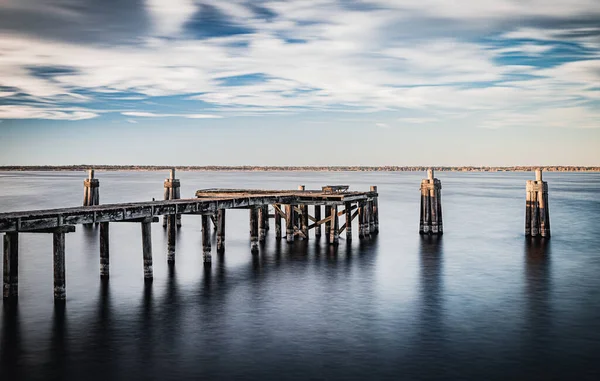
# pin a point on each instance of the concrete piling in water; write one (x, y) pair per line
(91, 190)
(431, 205)
(537, 212)
(172, 192)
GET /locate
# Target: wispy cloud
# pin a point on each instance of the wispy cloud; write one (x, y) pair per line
(155, 115)
(249, 58)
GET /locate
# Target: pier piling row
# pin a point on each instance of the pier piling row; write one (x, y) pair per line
(537, 212)
(293, 206)
(431, 205)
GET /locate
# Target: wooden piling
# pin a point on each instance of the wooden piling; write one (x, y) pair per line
(289, 222)
(10, 288)
(328, 223)
(371, 217)
(335, 226)
(104, 250)
(431, 205)
(147, 249)
(254, 229)
(304, 219)
(171, 237)
(206, 246)
(221, 230)
(277, 217)
(91, 190)
(262, 219)
(361, 219)
(59, 266)
(318, 218)
(375, 211)
(348, 209)
(537, 213)
(172, 192)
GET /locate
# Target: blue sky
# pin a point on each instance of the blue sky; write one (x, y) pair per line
(323, 82)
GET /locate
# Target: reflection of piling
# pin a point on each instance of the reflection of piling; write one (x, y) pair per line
(172, 192)
(91, 191)
(537, 213)
(431, 205)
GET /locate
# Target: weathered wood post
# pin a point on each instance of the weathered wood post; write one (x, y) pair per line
(104, 250)
(371, 218)
(221, 230)
(172, 192)
(431, 205)
(348, 210)
(289, 222)
(254, 229)
(91, 190)
(335, 226)
(361, 219)
(263, 216)
(10, 288)
(328, 223)
(147, 249)
(375, 210)
(537, 213)
(318, 218)
(206, 247)
(171, 237)
(59, 266)
(277, 218)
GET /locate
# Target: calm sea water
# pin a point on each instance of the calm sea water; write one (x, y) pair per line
(483, 302)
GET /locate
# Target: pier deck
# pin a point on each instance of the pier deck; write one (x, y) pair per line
(211, 204)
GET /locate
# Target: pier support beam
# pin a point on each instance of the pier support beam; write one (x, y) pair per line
(104, 250)
(277, 218)
(254, 229)
(220, 230)
(10, 288)
(172, 192)
(431, 205)
(537, 213)
(289, 222)
(304, 220)
(263, 217)
(59, 266)
(375, 211)
(348, 207)
(206, 247)
(91, 190)
(147, 249)
(318, 218)
(335, 226)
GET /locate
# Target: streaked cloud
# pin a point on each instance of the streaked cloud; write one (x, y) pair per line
(490, 58)
(155, 115)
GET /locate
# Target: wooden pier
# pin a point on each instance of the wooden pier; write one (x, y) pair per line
(210, 204)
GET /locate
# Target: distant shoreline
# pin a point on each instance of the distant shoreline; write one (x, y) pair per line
(300, 168)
